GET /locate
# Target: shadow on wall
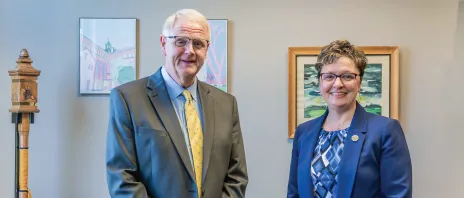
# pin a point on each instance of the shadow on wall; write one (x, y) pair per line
(454, 97)
(459, 35)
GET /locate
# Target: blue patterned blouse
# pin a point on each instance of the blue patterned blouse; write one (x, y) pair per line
(324, 166)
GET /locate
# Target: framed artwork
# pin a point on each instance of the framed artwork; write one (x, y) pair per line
(214, 71)
(107, 53)
(379, 89)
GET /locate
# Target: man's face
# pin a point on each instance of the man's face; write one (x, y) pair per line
(185, 49)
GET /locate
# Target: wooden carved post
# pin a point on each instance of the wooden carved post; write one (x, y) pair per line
(24, 105)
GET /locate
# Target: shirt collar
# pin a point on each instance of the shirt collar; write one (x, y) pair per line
(174, 89)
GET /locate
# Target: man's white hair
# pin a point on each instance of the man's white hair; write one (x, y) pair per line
(190, 14)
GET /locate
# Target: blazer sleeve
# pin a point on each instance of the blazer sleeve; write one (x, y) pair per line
(395, 163)
(236, 179)
(120, 152)
(292, 187)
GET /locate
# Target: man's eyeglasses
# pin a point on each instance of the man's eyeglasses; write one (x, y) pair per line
(345, 78)
(181, 41)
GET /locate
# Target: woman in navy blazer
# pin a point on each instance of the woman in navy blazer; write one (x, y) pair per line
(348, 152)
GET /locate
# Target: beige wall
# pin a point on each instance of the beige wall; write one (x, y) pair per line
(68, 139)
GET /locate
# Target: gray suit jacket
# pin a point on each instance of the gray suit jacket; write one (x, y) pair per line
(146, 153)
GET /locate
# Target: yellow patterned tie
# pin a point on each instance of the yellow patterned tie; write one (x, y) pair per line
(196, 137)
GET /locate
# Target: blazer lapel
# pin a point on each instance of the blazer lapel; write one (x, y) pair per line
(207, 106)
(308, 143)
(352, 150)
(160, 99)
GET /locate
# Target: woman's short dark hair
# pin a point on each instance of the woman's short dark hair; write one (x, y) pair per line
(341, 48)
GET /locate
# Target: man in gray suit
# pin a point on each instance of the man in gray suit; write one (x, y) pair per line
(171, 135)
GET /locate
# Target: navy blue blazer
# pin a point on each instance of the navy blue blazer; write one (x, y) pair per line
(378, 164)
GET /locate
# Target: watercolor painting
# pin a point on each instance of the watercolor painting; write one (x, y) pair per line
(107, 54)
(379, 92)
(214, 71)
(314, 104)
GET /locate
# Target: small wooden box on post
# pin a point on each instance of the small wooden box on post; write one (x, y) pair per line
(24, 97)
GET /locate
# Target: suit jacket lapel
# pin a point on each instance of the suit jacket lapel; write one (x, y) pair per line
(207, 105)
(352, 149)
(308, 143)
(160, 99)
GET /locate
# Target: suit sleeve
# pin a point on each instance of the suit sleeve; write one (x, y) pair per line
(395, 163)
(120, 152)
(236, 179)
(292, 188)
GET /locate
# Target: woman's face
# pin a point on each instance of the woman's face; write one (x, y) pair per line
(339, 83)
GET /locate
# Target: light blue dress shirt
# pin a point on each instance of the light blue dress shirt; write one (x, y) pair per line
(178, 101)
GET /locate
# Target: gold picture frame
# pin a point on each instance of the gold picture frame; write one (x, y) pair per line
(303, 102)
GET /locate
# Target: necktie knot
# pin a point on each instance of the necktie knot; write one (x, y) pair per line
(187, 95)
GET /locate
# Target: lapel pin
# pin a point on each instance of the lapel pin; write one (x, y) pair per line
(355, 138)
